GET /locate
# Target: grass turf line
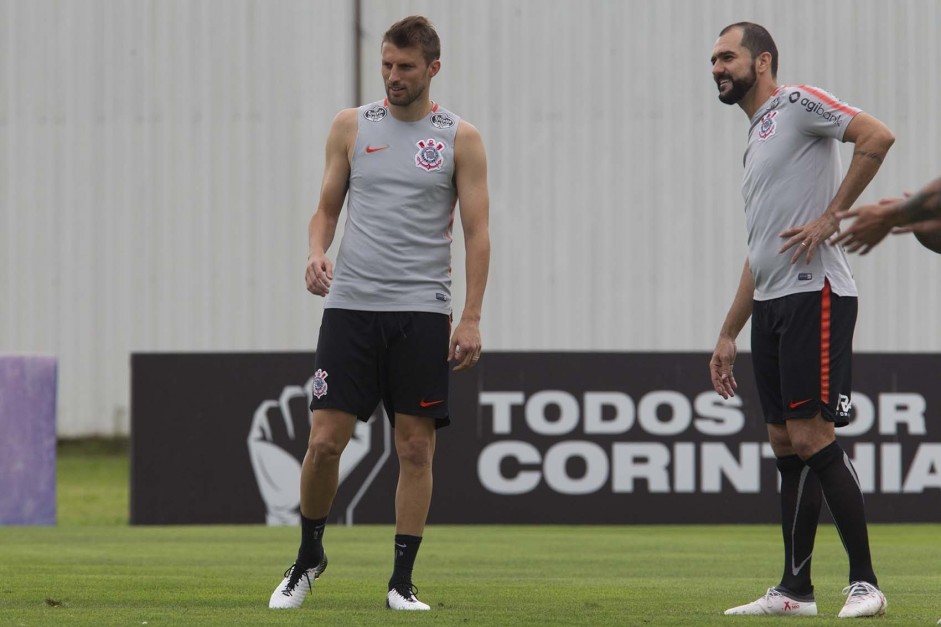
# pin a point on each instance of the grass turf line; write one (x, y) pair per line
(93, 570)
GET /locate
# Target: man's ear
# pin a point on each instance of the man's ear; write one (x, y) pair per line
(764, 62)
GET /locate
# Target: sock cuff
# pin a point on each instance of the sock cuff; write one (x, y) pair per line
(803, 598)
(789, 462)
(825, 456)
(402, 538)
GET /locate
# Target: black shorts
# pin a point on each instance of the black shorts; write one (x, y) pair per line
(399, 358)
(802, 353)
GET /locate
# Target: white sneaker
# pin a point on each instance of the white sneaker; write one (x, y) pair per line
(863, 599)
(295, 586)
(396, 600)
(775, 604)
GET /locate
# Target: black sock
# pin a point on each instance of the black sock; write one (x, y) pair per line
(844, 497)
(406, 549)
(311, 552)
(800, 511)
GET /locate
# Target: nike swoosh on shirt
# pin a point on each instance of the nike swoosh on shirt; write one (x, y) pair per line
(429, 403)
(375, 148)
(792, 404)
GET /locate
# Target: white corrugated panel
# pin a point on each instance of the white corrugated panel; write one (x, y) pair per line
(159, 161)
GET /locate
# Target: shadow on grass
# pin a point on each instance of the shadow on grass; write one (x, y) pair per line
(94, 446)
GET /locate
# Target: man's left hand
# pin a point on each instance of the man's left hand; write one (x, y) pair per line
(809, 236)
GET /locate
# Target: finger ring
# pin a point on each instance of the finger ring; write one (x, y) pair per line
(803, 243)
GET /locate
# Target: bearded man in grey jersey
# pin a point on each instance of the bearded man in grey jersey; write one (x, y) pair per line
(801, 297)
(386, 331)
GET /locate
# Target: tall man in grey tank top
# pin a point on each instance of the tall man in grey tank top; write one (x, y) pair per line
(801, 297)
(402, 164)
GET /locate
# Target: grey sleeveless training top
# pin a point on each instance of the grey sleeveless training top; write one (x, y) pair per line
(395, 254)
(792, 172)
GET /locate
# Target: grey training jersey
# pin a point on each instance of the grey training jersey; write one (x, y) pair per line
(792, 172)
(395, 254)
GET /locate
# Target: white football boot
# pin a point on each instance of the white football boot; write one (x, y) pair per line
(404, 599)
(295, 586)
(775, 603)
(863, 599)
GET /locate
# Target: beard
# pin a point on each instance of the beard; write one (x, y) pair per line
(740, 87)
(403, 98)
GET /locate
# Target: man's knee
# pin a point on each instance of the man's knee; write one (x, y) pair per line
(329, 434)
(780, 442)
(324, 448)
(414, 440)
(807, 442)
(805, 449)
(416, 451)
(326, 443)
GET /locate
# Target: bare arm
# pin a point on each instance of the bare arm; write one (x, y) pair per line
(470, 162)
(723, 358)
(924, 205)
(336, 180)
(920, 214)
(928, 233)
(872, 141)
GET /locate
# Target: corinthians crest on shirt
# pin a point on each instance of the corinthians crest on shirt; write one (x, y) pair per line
(767, 126)
(430, 155)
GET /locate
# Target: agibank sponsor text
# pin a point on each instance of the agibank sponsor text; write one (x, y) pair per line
(668, 442)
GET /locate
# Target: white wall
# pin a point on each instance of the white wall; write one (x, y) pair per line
(159, 160)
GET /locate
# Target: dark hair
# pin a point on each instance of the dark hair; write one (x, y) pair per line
(415, 31)
(756, 39)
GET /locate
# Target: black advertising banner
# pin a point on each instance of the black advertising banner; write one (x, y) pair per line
(555, 438)
(219, 438)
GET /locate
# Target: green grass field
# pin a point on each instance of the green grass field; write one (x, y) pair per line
(94, 569)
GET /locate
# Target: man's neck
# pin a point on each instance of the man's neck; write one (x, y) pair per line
(413, 112)
(758, 95)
